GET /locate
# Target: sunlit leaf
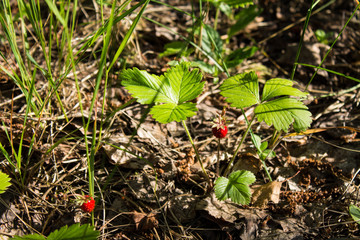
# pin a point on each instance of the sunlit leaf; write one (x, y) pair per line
(236, 187)
(4, 182)
(169, 112)
(174, 89)
(74, 232)
(241, 90)
(282, 112)
(280, 87)
(147, 88)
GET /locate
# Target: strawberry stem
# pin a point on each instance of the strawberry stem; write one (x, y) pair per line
(218, 159)
(239, 146)
(196, 152)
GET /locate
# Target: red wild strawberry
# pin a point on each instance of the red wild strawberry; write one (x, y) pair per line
(88, 204)
(219, 129)
(220, 132)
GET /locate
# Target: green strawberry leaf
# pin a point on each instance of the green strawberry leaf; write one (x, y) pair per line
(355, 213)
(184, 85)
(282, 112)
(280, 87)
(29, 237)
(169, 112)
(236, 187)
(75, 232)
(147, 88)
(241, 90)
(4, 182)
(175, 88)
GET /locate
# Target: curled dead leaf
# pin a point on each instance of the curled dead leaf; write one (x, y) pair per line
(265, 193)
(144, 221)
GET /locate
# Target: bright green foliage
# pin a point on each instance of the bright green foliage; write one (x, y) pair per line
(355, 213)
(4, 182)
(174, 90)
(243, 91)
(236, 187)
(74, 232)
(261, 148)
(282, 112)
(279, 87)
(234, 3)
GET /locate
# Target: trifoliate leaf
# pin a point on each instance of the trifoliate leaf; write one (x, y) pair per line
(355, 213)
(236, 187)
(75, 232)
(4, 182)
(177, 86)
(282, 112)
(280, 87)
(184, 85)
(147, 88)
(169, 112)
(241, 90)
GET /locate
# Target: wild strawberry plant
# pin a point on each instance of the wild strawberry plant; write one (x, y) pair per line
(170, 96)
(276, 106)
(75, 231)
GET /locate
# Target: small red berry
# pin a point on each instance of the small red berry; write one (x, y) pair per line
(88, 204)
(220, 132)
(219, 129)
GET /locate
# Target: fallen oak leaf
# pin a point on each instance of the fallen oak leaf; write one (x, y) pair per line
(268, 192)
(144, 221)
(265, 193)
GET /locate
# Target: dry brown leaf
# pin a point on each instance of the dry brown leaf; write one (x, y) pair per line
(144, 221)
(268, 192)
(248, 161)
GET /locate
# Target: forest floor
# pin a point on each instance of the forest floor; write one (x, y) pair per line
(162, 194)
